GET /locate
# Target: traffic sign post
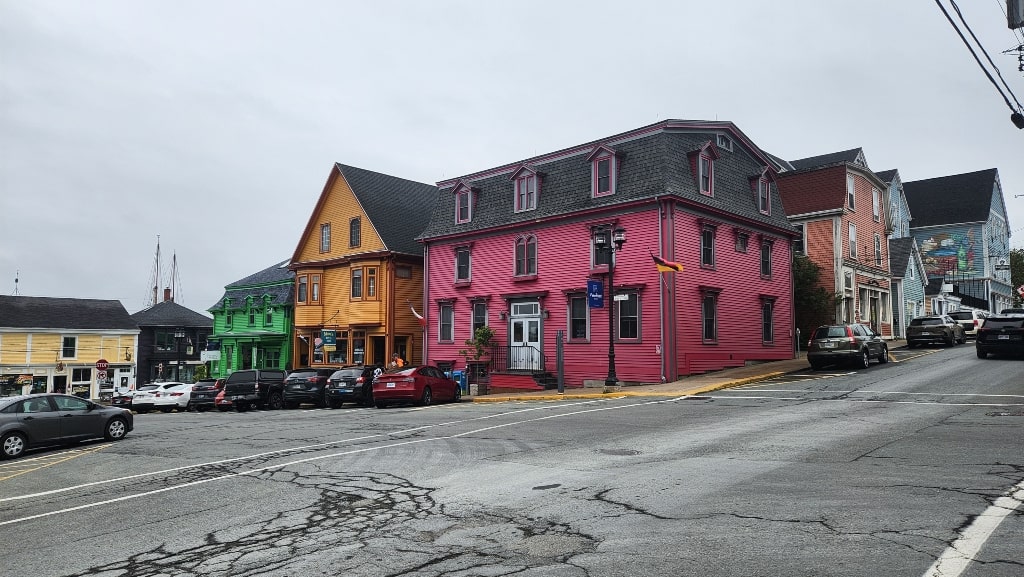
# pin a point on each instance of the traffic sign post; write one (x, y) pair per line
(101, 365)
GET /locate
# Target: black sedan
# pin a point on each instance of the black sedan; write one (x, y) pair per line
(46, 419)
(352, 384)
(204, 393)
(1001, 335)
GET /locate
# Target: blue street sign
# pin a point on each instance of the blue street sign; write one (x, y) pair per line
(595, 294)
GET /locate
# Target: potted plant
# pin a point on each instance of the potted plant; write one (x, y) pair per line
(479, 346)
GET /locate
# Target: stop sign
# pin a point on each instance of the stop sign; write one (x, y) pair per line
(101, 365)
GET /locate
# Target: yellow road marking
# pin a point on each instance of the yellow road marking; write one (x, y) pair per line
(17, 468)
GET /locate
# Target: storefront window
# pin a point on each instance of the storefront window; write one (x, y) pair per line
(358, 347)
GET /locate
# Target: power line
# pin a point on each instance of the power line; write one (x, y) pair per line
(1016, 116)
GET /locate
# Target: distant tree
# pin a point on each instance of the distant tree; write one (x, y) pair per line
(813, 304)
(1017, 273)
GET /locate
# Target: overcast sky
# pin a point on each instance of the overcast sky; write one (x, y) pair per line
(215, 124)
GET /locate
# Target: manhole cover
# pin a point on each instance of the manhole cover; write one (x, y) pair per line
(619, 452)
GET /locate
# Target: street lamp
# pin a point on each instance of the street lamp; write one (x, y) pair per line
(179, 335)
(604, 243)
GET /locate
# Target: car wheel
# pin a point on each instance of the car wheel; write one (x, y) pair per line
(275, 402)
(963, 339)
(427, 397)
(380, 404)
(241, 407)
(864, 361)
(166, 409)
(333, 404)
(13, 444)
(116, 429)
(141, 411)
(816, 366)
(981, 354)
(883, 357)
(458, 394)
(951, 341)
(223, 409)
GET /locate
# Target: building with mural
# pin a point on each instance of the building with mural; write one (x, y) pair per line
(961, 227)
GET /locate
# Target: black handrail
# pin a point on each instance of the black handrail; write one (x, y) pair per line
(517, 358)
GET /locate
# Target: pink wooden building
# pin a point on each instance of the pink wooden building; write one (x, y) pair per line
(513, 248)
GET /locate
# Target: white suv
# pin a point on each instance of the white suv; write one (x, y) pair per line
(970, 320)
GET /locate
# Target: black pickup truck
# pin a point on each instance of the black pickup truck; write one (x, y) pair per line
(255, 389)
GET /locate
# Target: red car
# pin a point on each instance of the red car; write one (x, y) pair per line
(222, 403)
(419, 385)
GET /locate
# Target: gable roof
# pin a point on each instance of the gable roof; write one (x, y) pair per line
(276, 281)
(851, 156)
(900, 250)
(952, 199)
(23, 312)
(886, 176)
(652, 162)
(171, 314)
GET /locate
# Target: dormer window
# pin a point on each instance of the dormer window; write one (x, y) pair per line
(526, 185)
(723, 142)
(604, 170)
(463, 204)
(763, 196)
(702, 163)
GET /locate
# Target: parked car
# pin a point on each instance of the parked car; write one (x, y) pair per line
(204, 392)
(969, 319)
(45, 419)
(144, 399)
(222, 403)
(854, 344)
(255, 388)
(177, 397)
(353, 384)
(307, 385)
(1013, 311)
(934, 329)
(420, 385)
(121, 397)
(1001, 335)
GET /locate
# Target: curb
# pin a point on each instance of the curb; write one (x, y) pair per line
(620, 394)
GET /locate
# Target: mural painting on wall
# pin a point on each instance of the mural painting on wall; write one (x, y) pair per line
(949, 253)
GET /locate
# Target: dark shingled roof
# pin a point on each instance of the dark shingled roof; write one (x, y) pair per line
(826, 159)
(276, 281)
(900, 250)
(171, 314)
(653, 161)
(22, 312)
(955, 199)
(397, 208)
(886, 176)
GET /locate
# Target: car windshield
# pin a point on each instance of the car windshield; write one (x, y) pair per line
(347, 373)
(830, 332)
(927, 321)
(148, 387)
(302, 374)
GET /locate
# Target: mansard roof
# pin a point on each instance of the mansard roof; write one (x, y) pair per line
(652, 162)
(275, 281)
(956, 199)
(22, 312)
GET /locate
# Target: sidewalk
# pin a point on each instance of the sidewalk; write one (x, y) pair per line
(691, 385)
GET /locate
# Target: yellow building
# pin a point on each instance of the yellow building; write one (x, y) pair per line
(60, 345)
(359, 271)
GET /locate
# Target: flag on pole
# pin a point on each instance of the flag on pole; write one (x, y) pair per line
(666, 265)
(419, 317)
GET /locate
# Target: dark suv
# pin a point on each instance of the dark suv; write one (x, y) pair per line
(1001, 335)
(353, 384)
(255, 388)
(204, 391)
(307, 385)
(855, 344)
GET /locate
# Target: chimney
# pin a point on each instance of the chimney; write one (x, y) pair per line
(167, 295)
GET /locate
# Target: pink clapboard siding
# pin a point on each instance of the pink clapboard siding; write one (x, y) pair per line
(563, 253)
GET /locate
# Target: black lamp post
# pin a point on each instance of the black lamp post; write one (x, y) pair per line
(179, 335)
(610, 245)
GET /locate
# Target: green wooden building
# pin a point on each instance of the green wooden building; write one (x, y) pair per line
(252, 323)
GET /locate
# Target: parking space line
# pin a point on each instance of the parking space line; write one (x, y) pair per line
(20, 468)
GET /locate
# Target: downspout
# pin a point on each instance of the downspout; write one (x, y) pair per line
(661, 290)
(426, 291)
(389, 321)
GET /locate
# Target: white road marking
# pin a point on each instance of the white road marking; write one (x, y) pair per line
(958, 556)
(872, 392)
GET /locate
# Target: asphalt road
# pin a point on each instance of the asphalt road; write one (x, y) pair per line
(904, 469)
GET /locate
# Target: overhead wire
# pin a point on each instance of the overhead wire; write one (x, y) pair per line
(985, 52)
(975, 55)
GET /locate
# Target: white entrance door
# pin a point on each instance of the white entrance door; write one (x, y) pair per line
(524, 338)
